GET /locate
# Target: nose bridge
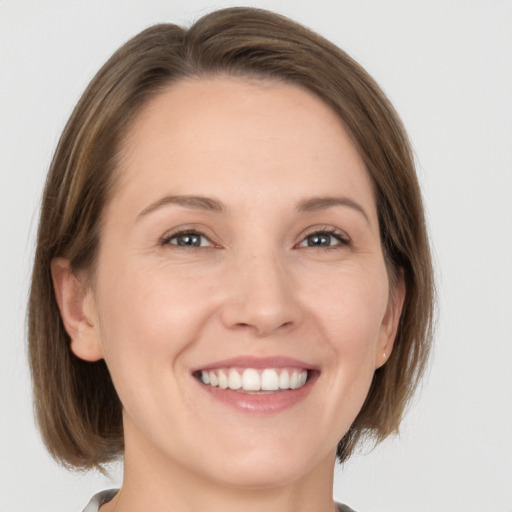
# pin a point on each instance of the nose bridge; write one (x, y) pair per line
(262, 294)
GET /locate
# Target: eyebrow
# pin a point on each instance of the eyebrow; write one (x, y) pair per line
(209, 204)
(192, 202)
(316, 204)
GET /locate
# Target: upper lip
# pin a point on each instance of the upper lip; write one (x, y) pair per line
(256, 363)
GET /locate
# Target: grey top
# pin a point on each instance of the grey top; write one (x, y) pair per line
(100, 499)
(105, 496)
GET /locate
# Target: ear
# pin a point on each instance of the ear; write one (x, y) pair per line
(77, 309)
(390, 321)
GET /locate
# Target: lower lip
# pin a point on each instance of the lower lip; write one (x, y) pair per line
(260, 403)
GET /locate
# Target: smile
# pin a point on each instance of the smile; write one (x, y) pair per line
(257, 385)
(251, 379)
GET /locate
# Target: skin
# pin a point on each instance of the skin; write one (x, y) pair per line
(154, 310)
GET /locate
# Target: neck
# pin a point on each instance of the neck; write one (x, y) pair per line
(152, 482)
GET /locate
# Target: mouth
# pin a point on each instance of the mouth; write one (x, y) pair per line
(257, 385)
(252, 380)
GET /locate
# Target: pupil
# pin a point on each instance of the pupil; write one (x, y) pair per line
(321, 239)
(189, 240)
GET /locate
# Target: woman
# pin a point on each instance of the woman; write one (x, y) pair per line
(232, 283)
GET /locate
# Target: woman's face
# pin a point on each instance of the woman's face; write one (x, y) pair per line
(241, 245)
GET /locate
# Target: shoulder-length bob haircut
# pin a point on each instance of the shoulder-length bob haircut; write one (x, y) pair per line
(77, 408)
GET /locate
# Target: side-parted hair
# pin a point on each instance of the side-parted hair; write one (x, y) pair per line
(77, 408)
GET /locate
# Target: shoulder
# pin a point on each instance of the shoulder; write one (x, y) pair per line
(344, 508)
(99, 499)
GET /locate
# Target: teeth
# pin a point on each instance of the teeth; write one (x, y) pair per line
(270, 379)
(235, 381)
(223, 380)
(251, 380)
(294, 380)
(284, 380)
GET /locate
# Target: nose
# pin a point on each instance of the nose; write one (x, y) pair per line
(262, 296)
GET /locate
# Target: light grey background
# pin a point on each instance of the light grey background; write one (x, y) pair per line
(446, 65)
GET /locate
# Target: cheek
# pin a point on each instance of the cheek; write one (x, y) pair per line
(350, 304)
(349, 314)
(147, 316)
(148, 321)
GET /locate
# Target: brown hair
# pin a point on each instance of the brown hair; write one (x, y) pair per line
(77, 408)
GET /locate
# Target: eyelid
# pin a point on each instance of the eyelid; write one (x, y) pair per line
(185, 230)
(342, 236)
(165, 239)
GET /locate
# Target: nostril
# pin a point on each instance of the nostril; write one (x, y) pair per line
(263, 328)
(242, 325)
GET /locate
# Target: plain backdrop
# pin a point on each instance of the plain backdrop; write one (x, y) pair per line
(447, 67)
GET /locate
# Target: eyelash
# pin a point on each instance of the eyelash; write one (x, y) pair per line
(341, 238)
(166, 240)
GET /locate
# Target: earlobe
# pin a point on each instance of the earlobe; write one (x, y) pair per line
(75, 304)
(390, 321)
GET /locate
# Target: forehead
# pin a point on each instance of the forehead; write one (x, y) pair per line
(203, 135)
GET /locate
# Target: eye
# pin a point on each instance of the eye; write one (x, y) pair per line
(187, 239)
(324, 239)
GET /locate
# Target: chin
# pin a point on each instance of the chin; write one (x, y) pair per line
(262, 475)
(264, 468)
